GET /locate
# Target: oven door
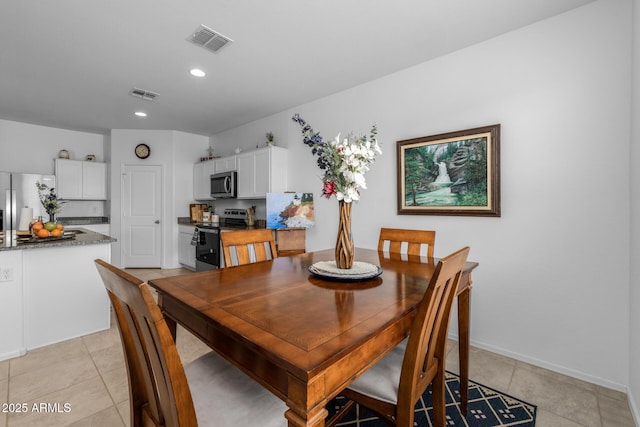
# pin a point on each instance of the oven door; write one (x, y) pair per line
(208, 249)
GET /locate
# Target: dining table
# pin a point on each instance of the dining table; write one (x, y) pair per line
(305, 336)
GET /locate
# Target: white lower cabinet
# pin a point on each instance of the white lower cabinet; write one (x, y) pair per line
(11, 306)
(186, 251)
(64, 296)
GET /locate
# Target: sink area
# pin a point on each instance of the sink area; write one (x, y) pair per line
(72, 232)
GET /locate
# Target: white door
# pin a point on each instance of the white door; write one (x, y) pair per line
(141, 205)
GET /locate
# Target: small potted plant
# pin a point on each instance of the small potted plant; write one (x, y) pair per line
(270, 139)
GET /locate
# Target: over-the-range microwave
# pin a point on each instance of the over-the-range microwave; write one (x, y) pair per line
(223, 185)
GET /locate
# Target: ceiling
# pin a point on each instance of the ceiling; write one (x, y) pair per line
(72, 63)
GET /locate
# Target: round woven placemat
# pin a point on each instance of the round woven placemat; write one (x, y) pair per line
(359, 268)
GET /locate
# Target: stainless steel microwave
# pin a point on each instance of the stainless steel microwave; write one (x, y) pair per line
(223, 185)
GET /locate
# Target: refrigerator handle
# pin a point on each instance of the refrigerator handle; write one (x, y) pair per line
(13, 218)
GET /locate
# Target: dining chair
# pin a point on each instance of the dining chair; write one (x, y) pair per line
(413, 239)
(249, 246)
(208, 391)
(392, 386)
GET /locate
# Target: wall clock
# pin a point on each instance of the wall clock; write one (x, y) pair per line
(143, 151)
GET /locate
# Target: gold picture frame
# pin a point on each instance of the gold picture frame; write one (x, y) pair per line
(454, 173)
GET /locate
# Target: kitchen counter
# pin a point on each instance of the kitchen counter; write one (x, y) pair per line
(51, 291)
(80, 236)
(222, 225)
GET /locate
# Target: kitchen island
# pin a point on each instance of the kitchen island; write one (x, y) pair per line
(50, 290)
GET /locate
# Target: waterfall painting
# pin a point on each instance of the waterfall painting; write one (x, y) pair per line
(455, 173)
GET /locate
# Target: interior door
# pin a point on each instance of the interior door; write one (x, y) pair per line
(141, 222)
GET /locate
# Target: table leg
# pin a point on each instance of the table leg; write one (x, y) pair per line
(171, 324)
(463, 346)
(305, 403)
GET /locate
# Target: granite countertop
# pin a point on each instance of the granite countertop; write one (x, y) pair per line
(260, 223)
(84, 237)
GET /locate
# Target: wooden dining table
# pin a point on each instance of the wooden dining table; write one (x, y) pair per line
(304, 337)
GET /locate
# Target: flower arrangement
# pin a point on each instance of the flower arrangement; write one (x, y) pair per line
(345, 161)
(49, 199)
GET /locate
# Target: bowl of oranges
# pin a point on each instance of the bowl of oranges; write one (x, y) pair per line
(46, 230)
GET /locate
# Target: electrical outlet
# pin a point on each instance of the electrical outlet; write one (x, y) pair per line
(6, 274)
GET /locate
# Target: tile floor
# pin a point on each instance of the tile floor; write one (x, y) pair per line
(82, 382)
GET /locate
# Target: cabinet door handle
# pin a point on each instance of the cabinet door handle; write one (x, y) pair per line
(157, 221)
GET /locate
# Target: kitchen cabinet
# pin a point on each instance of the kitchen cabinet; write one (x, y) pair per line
(186, 252)
(225, 164)
(201, 179)
(79, 180)
(12, 305)
(262, 171)
(52, 294)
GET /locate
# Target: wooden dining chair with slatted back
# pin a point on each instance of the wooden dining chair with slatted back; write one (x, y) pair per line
(208, 391)
(396, 238)
(392, 387)
(248, 245)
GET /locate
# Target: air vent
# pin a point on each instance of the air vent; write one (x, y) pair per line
(144, 94)
(209, 39)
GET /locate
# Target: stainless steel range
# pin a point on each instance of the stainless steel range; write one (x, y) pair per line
(207, 238)
(234, 218)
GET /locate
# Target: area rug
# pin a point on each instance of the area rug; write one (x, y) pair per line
(487, 408)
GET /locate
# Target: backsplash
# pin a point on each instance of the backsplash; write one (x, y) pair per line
(222, 204)
(82, 208)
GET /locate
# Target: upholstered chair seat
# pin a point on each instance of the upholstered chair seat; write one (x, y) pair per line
(223, 396)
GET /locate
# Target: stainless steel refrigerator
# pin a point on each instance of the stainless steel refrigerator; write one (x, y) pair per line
(17, 191)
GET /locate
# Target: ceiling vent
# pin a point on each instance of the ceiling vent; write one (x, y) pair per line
(209, 39)
(144, 94)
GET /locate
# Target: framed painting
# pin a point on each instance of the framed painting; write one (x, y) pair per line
(290, 210)
(455, 173)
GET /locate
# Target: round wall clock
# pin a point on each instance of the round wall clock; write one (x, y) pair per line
(143, 151)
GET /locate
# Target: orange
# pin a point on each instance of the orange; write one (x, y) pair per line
(60, 226)
(42, 233)
(56, 233)
(37, 226)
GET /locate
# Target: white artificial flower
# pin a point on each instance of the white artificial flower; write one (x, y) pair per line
(352, 194)
(358, 178)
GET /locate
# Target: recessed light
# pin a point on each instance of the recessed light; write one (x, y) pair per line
(140, 114)
(197, 72)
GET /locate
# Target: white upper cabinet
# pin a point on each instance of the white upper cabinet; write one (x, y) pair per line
(225, 164)
(94, 180)
(202, 179)
(79, 180)
(262, 171)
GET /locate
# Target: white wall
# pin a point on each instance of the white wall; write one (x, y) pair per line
(31, 148)
(175, 152)
(634, 300)
(553, 281)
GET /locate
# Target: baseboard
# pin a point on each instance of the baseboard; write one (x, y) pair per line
(13, 354)
(550, 366)
(635, 413)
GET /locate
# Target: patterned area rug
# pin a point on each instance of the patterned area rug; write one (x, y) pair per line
(487, 408)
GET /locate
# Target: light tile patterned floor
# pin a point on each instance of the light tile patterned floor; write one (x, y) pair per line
(88, 376)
